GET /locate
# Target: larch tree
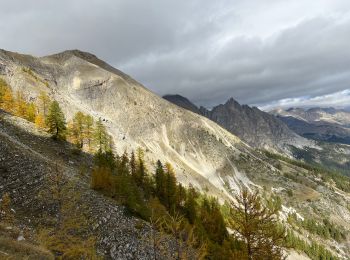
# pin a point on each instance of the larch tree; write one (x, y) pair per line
(8, 101)
(76, 129)
(88, 132)
(55, 121)
(132, 164)
(20, 105)
(171, 187)
(258, 226)
(44, 103)
(191, 204)
(160, 180)
(141, 168)
(40, 121)
(102, 139)
(30, 112)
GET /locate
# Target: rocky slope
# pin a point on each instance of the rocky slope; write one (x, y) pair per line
(203, 153)
(255, 127)
(326, 124)
(28, 155)
(198, 148)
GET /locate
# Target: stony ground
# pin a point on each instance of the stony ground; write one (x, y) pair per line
(26, 157)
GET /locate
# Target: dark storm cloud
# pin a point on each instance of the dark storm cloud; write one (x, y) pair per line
(206, 50)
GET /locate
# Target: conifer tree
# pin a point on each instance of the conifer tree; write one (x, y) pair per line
(191, 205)
(160, 181)
(102, 139)
(55, 121)
(258, 226)
(88, 132)
(76, 129)
(44, 102)
(141, 169)
(171, 187)
(212, 220)
(133, 165)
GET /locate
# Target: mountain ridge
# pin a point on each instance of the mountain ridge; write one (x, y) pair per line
(257, 128)
(325, 124)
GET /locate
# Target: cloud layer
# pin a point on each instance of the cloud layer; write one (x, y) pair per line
(339, 99)
(258, 52)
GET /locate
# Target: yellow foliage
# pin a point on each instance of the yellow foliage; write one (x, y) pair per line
(20, 105)
(8, 101)
(40, 121)
(31, 112)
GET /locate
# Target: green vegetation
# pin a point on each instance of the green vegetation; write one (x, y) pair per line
(342, 182)
(333, 162)
(313, 250)
(326, 229)
(159, 197)
(56, 121)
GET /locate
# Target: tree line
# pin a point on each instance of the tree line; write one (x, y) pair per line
(82, 130)
(158, 197)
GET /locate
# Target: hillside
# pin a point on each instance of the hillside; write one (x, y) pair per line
(29, 155)
(203, 154)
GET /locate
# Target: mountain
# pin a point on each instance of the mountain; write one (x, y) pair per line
(182, 102)
(283, 134)
(198, 148)
(204, 154)
(325, 124)
(253, 126)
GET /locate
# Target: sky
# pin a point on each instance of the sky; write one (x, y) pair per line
(266, 53)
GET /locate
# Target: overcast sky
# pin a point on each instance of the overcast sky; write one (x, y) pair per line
(267, 53)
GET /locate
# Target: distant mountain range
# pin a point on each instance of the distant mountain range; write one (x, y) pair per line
(325, 124)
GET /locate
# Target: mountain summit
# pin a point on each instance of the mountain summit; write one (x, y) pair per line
(255, 127)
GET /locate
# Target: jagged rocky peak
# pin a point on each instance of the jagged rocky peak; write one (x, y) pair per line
(232, 103)
(255, 127)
